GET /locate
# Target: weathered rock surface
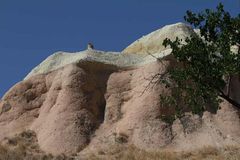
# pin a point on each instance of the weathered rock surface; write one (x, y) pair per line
(94, 100)
(152, 43)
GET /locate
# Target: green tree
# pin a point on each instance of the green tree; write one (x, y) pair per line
(206, 61)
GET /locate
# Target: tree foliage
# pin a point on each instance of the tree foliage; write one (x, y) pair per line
(207, 61)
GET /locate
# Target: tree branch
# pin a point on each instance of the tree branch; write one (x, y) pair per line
(230, 100)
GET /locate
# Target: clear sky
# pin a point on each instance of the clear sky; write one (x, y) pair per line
(31, 30)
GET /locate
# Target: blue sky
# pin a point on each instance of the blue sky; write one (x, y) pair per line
(31, 30)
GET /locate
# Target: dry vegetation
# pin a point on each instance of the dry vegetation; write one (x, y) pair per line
(132, 153)
(24, 146)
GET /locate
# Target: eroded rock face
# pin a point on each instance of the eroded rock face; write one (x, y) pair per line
(97, 101)
(63, 107)
(73, 109)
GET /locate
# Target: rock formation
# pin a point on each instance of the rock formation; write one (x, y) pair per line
(93, 100)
